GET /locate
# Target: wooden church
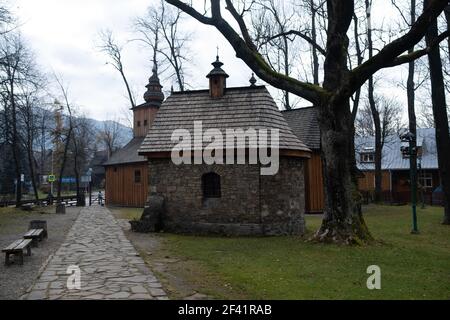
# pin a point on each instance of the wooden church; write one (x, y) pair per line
(126, 171)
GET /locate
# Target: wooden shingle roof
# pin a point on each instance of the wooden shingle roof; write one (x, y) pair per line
(303, 122)
(239, 108)
(128, 154)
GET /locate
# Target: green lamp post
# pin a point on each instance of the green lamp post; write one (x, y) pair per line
(412, 152)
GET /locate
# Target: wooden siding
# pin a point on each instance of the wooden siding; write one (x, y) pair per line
(367, 183)
(121, 189)
(217, 85)
(141, 115)
(314, 194)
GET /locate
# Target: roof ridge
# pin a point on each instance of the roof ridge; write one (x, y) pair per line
(226, 89)
(296, 109)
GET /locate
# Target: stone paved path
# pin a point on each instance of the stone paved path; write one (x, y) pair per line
(110, 266)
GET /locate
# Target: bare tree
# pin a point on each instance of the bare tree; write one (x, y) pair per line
(27, 114)
(113, 50)
(17, 72)
(64, 133)
(390, 112)
(426, 119)
(343, 221)
(373, 107)
(80, 148)
(109, 136)
(439, 113)
(160, 30)
(272, 26)
(360, 59)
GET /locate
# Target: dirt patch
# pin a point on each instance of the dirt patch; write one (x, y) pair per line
(16, 279)
(180, 277)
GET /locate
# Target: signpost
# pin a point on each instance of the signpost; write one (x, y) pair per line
(68, 180)
(89, 178)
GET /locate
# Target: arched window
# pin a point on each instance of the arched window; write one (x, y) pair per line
(211, 185)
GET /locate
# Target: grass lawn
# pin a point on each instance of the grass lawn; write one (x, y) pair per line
(11, 214)
(412, 266)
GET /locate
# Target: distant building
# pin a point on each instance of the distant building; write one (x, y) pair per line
(126, 171)
(395, 166)
(226, 198)
(98, 170)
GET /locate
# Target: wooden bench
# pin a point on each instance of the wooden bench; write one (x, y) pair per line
(16, 248)
(36, 235)
(39, 224)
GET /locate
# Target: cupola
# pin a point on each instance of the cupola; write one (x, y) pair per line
(217, 79)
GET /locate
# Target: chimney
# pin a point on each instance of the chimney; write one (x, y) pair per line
(217, 80)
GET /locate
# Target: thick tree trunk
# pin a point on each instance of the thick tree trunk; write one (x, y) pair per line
(410, 92)
(378, 142)
(373, 109)
(360, 60)
(440, 116)
(343, 221)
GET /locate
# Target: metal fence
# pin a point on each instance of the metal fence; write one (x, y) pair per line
(427, 197)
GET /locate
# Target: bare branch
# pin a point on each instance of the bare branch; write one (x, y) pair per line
(391, 51)
(250, 56)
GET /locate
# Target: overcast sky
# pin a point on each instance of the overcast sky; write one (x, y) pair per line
(64, 36)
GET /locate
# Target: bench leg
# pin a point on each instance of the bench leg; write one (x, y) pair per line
(29, 251)
(20, 254)
(35, 243)
(7, 260)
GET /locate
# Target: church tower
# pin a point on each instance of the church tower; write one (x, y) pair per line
(144, 114)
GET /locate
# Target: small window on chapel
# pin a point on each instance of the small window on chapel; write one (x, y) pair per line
(138, 123)
(145, 123)
(211, 185)
(137, 176)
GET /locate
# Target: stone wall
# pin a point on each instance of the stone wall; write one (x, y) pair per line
(283, 199)
(250, 204)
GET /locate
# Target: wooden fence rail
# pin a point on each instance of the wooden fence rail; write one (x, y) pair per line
(40, 202)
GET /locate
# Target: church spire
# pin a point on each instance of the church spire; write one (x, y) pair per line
(144, 114)
(154, 96)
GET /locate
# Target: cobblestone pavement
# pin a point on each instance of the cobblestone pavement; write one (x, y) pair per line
(110, 266)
